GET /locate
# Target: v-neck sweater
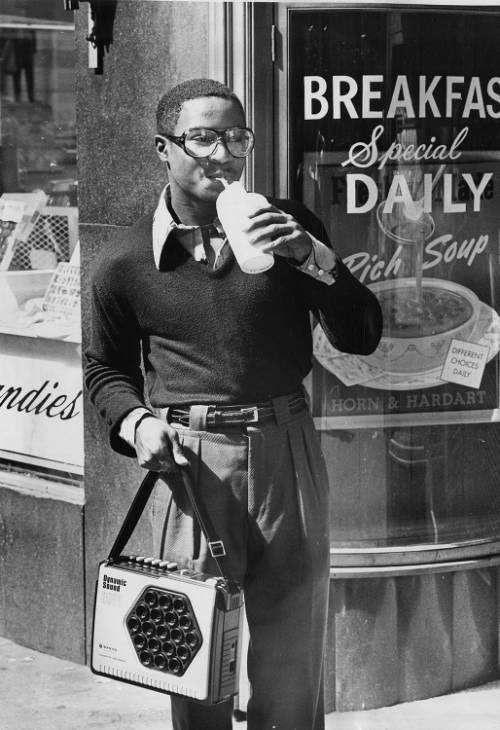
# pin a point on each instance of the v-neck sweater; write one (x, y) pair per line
(211, 336)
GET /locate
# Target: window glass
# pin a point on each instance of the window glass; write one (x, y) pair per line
(38, 110)
(40, 332)
(395, 144)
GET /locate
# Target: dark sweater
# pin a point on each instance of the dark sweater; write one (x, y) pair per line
(212, 336)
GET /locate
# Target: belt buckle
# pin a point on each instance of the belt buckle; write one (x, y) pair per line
(250, 415)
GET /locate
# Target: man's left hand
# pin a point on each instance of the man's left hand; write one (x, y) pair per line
(273, 231)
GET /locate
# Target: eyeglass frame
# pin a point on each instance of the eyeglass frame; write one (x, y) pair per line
(221, 137)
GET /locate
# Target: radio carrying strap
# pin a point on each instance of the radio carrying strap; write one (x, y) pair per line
(216, 546)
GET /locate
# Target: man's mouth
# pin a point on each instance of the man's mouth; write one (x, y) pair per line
(216, 177)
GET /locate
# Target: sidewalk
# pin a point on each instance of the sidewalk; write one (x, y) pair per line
(39, 692)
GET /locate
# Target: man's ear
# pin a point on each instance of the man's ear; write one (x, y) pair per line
(161, 147)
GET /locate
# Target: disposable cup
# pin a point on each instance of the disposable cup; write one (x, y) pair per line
(234, 206)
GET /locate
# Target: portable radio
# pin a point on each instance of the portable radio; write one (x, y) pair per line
(171, 630)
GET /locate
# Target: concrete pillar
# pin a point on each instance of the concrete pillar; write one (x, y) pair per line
(156, 45)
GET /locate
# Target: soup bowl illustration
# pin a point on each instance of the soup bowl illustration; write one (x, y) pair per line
(416, 335)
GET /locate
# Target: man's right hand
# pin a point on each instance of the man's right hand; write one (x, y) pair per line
(157, 446)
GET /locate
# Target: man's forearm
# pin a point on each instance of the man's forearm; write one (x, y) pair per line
(349, 313)
(114, 394)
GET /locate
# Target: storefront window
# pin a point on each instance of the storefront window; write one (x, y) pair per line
(395, 144)
(40, 334)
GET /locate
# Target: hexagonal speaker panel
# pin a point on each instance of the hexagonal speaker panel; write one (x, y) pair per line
(164, 630)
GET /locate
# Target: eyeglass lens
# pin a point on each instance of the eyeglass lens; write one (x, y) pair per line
(202, 142)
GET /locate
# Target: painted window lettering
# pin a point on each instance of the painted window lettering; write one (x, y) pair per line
(347, 98)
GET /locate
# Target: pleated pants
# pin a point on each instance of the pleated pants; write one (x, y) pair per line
(266, 490)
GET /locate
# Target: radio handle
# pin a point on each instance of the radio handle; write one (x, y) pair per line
(136, 509)
(132, 517)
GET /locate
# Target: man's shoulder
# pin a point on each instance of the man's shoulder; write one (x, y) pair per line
(125, 247)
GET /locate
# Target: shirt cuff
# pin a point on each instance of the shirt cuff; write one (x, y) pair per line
(321, 263)
(129, 424)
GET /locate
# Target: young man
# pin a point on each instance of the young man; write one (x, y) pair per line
(225, 354)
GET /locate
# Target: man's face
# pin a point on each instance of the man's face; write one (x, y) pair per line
(196, 179)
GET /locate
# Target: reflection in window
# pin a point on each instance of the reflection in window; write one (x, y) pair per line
(38, 203)
(40, 329)
(395, 144)
(38, 112)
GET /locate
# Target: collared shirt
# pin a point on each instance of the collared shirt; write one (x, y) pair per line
(197, 240)
(208, 244)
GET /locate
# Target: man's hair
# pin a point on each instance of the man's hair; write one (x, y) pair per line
(170, 104)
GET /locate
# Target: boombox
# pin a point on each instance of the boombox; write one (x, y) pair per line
(168, 629)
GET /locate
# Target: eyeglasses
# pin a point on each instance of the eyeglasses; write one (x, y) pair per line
(202, 142)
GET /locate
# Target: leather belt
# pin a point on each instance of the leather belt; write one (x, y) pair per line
(238, 415)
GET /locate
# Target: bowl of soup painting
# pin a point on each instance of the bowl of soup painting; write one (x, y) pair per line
(418, 330)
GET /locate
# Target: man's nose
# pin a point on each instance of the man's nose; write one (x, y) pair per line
(221, 153)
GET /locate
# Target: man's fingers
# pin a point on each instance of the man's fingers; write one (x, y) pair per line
(177, 453)
(271, 235)
(158, 447)
(266, 218)
(264, 209)
(156, 463)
